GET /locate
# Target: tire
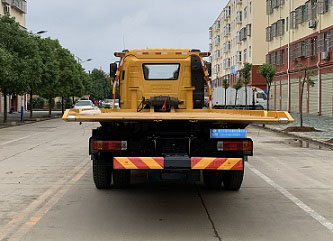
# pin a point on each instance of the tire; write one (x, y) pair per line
(212, 179)
(232, 180)
(102, 174)
(121, 178)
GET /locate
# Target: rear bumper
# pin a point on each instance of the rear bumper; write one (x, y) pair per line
(178, 162)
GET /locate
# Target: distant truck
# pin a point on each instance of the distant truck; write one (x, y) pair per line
(163, 126)
(256, 98)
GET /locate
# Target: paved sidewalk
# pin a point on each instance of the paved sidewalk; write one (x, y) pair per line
(15, 118)
(322, 123)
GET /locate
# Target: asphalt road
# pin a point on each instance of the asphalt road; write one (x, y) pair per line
(47, 193)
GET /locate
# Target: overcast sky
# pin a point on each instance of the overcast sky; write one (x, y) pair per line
(96, 29)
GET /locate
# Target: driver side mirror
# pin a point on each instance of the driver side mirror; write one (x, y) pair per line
(113, 70)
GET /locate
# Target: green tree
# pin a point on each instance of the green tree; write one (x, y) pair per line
(101, 85)
(226, 85)
(32, 70)
(238, 85)
(268, 72)
(246, 74)
(6, 75)
(305, 77)
(67, 75)
(50, 84)
(23, 49)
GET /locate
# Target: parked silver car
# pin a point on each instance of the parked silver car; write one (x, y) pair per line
(109, 102)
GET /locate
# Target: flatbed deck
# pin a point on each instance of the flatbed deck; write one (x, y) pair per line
(229, 116)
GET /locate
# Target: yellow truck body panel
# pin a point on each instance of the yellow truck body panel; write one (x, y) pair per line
(134, 86)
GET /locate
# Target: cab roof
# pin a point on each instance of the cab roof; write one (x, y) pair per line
(161, 53)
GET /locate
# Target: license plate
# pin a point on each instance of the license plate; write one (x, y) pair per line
(227, 133)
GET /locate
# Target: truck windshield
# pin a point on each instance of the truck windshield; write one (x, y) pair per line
(161, 71)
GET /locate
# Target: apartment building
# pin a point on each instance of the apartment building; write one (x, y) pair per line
(300, 33)
(17, 9)
(237, 37)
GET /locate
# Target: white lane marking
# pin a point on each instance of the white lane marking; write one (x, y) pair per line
(323, 221)
(9, 142)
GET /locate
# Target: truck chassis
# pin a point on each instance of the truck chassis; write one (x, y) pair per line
(178, 144)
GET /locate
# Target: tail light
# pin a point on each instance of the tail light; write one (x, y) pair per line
(235, 145)
(109, 145)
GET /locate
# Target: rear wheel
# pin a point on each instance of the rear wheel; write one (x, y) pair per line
(102, 174)
(212, 179)
(121, 178)
(232, 180)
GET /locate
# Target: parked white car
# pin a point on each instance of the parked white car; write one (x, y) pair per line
(84, 104)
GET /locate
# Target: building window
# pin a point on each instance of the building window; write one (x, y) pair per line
(280, 27)
(281, 56)
(245, 12)
(299, 15)
(307, 11)
(217, 25)
(273, 4)
(245, 55)
(250, 51)
(314, 46)
(268, 59)
(292, 20)
(239, 17)
(327, 4)
(326, 41)
(274, 30)
(268, 34)
(239, 56)
(314, 9)
(287, 23)
(248, 29)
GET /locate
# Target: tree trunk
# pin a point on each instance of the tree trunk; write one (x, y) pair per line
(31, 105)
(246, 95)
(62, 105)
(73, 99)
(5, 106)
(268, 93)
(50, 106)
(301, 105)
(236, 98)
(225, 98)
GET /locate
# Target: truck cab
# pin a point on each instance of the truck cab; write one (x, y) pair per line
(151, 77)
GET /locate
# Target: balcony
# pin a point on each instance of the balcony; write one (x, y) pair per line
(9, 2)
(20, 5)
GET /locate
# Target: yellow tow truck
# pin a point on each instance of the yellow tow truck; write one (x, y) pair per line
(163, 125)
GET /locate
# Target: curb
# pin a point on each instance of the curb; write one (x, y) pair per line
(19, 123)
(309, 139)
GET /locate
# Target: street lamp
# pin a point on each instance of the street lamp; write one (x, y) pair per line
(41, 32)
(80, 61)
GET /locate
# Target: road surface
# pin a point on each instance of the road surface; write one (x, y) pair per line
(47, 193)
